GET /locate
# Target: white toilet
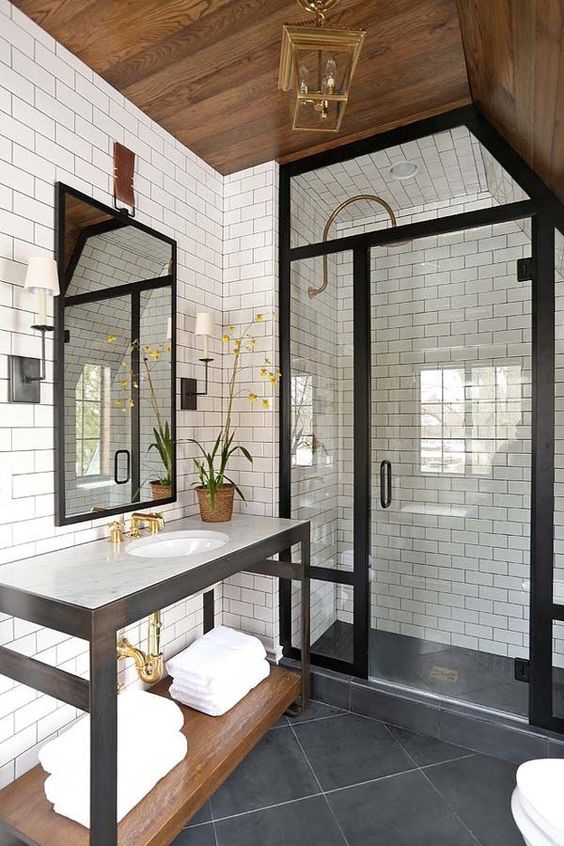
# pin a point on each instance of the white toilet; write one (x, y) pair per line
(537, 803)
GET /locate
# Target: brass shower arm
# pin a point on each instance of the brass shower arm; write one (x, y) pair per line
(313, 292)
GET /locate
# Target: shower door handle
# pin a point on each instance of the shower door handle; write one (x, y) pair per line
(385, 483)
(117, 454)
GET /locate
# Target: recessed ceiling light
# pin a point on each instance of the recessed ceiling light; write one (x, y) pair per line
(404, 170)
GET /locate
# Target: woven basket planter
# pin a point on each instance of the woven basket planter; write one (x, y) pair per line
(161, 491)
(222, 510)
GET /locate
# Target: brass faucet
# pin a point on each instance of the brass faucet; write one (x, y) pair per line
(155, 522)
(116, 530)
(149, 665)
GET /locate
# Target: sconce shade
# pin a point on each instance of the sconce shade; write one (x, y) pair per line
(42, 275)
(205, 324)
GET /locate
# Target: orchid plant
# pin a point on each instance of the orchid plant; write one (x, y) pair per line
(211, 465)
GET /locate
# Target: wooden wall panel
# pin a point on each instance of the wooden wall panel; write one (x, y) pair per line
(515, 56)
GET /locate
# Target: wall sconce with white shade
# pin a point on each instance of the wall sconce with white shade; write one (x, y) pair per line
(205, 328)
(26, 374)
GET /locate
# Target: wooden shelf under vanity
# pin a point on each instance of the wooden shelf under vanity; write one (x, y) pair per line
(216, 745)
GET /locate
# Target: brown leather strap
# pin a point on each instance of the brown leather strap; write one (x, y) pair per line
(124, 166)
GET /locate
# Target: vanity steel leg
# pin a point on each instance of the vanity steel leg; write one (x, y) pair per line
(305, 621)
(103, 734)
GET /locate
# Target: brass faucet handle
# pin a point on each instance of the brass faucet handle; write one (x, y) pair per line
(116, 530)
(156, 522)
(134, 529)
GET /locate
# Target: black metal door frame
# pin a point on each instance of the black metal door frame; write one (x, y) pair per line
(546, 212)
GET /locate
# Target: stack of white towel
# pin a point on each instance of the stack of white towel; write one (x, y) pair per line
(150, 744)
(218, 670)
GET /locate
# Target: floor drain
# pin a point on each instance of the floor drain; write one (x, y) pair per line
(444, 674)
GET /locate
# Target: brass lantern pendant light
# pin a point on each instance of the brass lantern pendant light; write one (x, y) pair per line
(316, 68)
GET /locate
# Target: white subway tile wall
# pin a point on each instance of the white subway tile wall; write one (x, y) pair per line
(58, 121)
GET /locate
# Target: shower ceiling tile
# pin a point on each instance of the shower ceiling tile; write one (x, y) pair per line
(452, 165)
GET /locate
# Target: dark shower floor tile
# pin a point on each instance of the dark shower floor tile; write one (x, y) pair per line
(447, 796)
(453, 672)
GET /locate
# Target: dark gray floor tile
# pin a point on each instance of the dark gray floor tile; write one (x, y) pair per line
(283, 721)
(200, 835)
(479, 790)
(398, 710)
(275, 771)
(316, 711)
(426, 750)
(491, 738)
(400, 811)
(349, 749)
(295, 824)
(204, 815)
(331, 689)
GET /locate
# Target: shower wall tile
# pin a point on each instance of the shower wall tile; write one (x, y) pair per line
(451, 554)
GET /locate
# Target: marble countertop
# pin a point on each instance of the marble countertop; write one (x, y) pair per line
(94, 574)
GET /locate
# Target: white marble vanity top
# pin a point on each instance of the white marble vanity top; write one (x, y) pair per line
(94, 574)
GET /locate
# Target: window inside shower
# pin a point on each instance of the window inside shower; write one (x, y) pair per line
(410, 440)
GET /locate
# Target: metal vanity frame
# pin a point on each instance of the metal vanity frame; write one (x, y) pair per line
(99, 627)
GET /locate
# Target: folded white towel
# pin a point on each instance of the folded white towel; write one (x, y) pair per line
(137, 712)
(70, 791)
(233, 675)
(228, 638)
(211, 658)
(217, 704)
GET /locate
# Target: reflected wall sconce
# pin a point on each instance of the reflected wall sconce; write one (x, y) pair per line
(205, 327)
(26, 374)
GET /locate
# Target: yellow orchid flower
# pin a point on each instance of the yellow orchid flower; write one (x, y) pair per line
(259, 318)
(112, 339)
(266, 404)
(119, 403)
(252, 397)
(264, 373)
(225, 339)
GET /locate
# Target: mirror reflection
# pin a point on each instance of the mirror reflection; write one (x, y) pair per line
(116, 362)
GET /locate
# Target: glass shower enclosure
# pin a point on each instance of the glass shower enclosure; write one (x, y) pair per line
(417, 433)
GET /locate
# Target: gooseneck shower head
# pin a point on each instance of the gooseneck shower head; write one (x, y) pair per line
(313, 292)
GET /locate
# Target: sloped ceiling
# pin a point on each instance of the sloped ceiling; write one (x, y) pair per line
(207, 70)
(515, 57)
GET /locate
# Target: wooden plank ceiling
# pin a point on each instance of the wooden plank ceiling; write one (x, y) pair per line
(515, 57)
(207, 70)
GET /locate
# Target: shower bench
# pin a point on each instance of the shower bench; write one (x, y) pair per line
(91, 592)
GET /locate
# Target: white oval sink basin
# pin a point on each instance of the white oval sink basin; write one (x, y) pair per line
(176, 544)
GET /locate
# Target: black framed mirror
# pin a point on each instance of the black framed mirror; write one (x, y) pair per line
(115, 365)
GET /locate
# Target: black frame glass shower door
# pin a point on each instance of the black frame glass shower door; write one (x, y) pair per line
(546, 213)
